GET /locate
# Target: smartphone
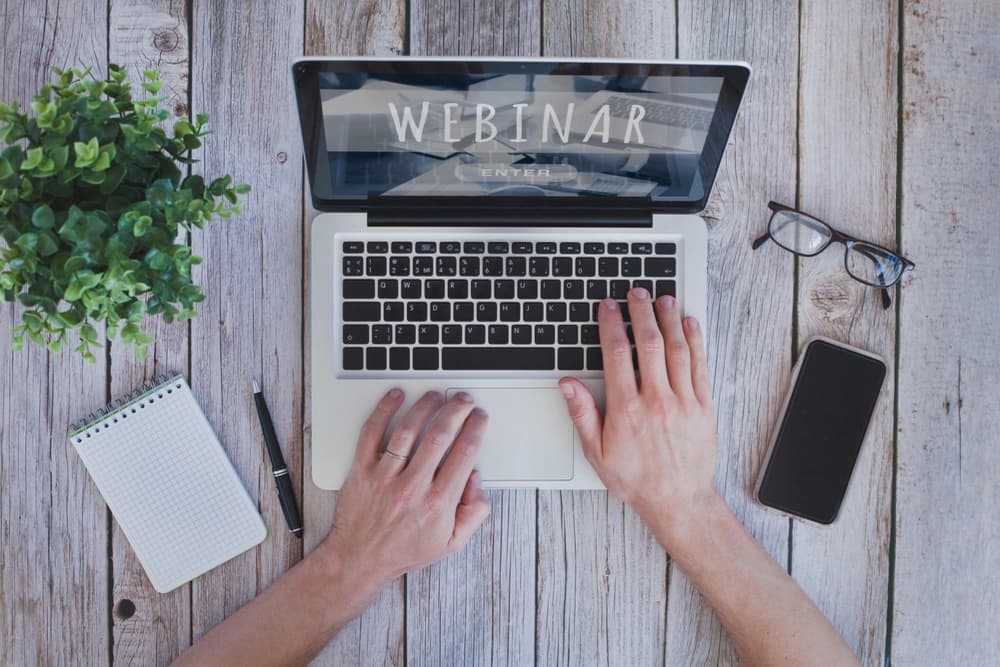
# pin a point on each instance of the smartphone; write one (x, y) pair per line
(835, 389)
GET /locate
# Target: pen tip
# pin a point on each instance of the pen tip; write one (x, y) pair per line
(256, 387)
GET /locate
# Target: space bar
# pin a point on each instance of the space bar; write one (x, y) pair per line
(498, 359)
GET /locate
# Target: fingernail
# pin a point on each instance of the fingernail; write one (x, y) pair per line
(479, 412)
(609, 304)
(692, 323)
(640, 293)
(668, 302)
(464, 397)
(435, 395)
(395, 392)
(567, 390)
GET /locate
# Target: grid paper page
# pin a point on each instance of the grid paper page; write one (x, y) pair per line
(170, 485)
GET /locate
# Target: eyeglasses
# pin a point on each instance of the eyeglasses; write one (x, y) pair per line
(804, 235)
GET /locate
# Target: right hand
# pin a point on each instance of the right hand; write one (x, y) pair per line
(655, 446)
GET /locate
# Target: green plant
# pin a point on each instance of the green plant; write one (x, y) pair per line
(92, 197)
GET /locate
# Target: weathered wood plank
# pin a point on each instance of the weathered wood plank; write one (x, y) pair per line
(847, 176)
(149, 34)
(251, 321)
(947, 532)
(602, 577)
(53, 553)
(343, 27)
(749, 293)
(478, 607)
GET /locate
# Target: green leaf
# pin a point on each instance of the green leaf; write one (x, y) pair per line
(74, 291)
(32, 320)
(47, 244)
(43, 217)
(135, 311)
(242, 189)
(88, 333)
(86, 153)
(33, 157)
(142, 225)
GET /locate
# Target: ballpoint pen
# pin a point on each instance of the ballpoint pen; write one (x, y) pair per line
(286, 494)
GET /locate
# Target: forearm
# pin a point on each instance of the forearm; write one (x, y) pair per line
(769, 617)
(290, 622)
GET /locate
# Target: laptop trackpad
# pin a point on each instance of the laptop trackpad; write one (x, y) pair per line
(530, 436)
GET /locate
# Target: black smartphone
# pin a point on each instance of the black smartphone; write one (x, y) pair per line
(834, 392)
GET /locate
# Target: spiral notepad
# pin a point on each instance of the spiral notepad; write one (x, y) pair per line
(168, 482)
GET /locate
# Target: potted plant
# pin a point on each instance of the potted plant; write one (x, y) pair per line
(93, 194)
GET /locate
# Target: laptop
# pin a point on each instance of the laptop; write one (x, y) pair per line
(474, 213)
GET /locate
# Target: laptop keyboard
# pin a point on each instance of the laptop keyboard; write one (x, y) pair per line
(447, 304)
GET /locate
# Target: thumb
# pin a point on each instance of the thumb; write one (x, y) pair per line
(583, 411)
(470, 513)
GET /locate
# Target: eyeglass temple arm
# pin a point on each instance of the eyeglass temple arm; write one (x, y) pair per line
(760, 240)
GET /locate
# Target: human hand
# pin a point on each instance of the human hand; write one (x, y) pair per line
(655, 446)
(398, 515)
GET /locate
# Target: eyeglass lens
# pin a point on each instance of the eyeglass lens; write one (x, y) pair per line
(798, 232)
(873, 265)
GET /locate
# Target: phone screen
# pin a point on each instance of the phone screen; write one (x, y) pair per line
(821, 433)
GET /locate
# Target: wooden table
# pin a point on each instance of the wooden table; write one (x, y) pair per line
(877, 117)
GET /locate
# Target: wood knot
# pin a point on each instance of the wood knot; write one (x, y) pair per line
(834, 297)
(282, 157)
(166, 40)
(181, 109)
(125, 609)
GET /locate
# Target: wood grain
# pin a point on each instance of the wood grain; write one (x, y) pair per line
(602, 577)
(847, 176)
(750, 293)
(251, 321)
(947, 534)
(53, 522)
(343, 27)
(478, 607)
(149, 34)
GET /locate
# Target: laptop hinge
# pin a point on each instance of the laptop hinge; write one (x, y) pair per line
(508, 218)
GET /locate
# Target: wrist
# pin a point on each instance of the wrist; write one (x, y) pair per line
(677, 525)
(347, 590)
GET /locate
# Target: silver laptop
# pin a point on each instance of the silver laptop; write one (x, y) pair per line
(474, 212)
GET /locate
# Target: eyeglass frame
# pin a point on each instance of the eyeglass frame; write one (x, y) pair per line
(835, 237)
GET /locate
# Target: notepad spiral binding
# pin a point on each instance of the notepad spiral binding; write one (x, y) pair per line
(134, 397)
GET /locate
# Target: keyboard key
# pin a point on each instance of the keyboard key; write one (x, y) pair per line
(618, 248)
(451, 247)
(538, 266)
(586, 266)
(378, 247)
(375, 358)
(590, 334)
(405, 334)
(666, 287)
(569, 248)
(545, 248)
(521, 247)
(510, 311)
(516, 266)
(399, 266)
(497, 358)
(567, 334)
(533, 311)
(579, 311)
(375, 266)
(619, 289)
(503, 289)
(451, 334)
(428, 334)
(358, 288)
(381, 334)
(401, 247)
(660, 267)
(392, 311)
(631, 267)
(458, 289)
(468, 266)
(481, 289)
(353, 246)
(545, 334)
(642, 248)
(446, 266)
(434, 289)
(597, 289)
(475, 334)
(493, 266)
(356, 334)
(426, 247)
(423, 266)
(562, 266)
(498, 247)
(354, 358)
(527, 289)
(593, 248)
(486, 311)
(410, 289)
(425, 359)
(388, 289)
(399, 358)
(416, 311)
(573, 289)
(499, 334)
(555, 311)
(607, 267)
(520, 334)
(595, 362)
(463, 311)
(551, 289)
(474, 247)
(570, 359)
(666, 248)
(361, 311)
(354, 266)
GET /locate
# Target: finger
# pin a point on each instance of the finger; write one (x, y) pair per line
(468, 518)
(456, 469)
(404, 436)
(678, 354)
(619, 376)
(374, 428)
(699, 360)
(440, 435)
(586, 418)
(472, 488)
(648, 342)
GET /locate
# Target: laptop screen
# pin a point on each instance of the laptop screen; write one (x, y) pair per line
(541, 132)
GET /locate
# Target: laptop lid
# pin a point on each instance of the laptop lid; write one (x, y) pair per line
(530, 141)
